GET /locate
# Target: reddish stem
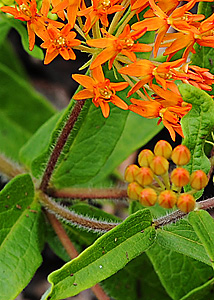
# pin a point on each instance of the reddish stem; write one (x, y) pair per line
(89, 193)
(72, 252)
(60, 144)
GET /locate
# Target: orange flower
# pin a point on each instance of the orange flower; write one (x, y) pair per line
(187, 38)
(167, 106)
(99, 11)
(101, 90)
(165, 74)
(36, 21)
(179, 20)
(70, 5)
(59, 42)
(124, 44)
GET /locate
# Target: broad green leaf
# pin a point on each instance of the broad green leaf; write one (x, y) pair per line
(197, 125)
(136, 281)
(22, 30)
(80, 236)
(181, 237)
(21, 236)
(178, 273)
(205, 291)
(4, 29)
(95, 146)
(12, 137)
(20, 103)
(9, 58)
(110, 253)
(203, 225)
(204, 56)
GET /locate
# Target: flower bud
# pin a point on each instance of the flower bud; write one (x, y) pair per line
(163, 148)
(133, 190)
(198, 180)
(159, 165)
(131, 172)
(180, 177)
(167, 199)
(145, 157)
(180, 155)
(148, 197)
(144, 176)
(186, 203)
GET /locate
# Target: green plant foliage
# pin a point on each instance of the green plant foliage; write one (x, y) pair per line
(110, 253)
(205, 291)
(197, 125)
(181, 237)
(178, 273)
(4, 29)
(203, 225)
(137, 280)
(95, 147)
(21, 236)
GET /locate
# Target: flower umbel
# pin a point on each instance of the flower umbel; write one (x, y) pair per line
(101, 90)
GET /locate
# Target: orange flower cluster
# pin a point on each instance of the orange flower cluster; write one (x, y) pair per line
(151, 183)
(120, 45)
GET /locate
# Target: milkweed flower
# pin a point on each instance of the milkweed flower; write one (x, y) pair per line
(99, 10)
(123, 44)
(59, 42)
(101, 90)
(26, 10)
(71, 6)
(180, 19)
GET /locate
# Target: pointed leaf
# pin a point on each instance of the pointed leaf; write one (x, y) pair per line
(178, 273)
(203, 225)
(110, 253)
(198, 123)
(21, 236)
(205, 291)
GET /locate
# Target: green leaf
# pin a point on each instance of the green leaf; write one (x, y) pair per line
(181, 237)
(110, 253)
(205, 291)
(137, 280)
(21, 29)
(203, 225)
(197, 125)
(4, 29)
(178, 273)
(21, 236)
(9, 58)
(12, 137)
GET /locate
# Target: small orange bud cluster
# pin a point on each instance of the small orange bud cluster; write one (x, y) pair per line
(151, 182)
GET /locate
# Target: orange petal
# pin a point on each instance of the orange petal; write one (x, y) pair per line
(84, 94)
(104, 56)
(50, 56)
(105, 108)
(119, 102)
(84, 80)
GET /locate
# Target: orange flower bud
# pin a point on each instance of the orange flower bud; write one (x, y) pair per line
(159, 165)
(163, 148)
(167, 199)
(180, 155)
(186, 203)
(131, 172)
(133, 190)
(144, 176)
(180, 177)
(198, 180)
(148, 197)
(145, 157)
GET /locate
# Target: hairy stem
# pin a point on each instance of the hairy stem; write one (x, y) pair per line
(71, 250)
(60, 144)
(9, 168)
(70, 216)
(92, 193)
